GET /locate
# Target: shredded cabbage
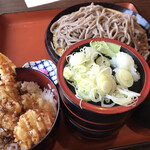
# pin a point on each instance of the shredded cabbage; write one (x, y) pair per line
(90, 73)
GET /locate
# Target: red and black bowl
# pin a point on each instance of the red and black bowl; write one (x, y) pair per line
(49, 35)
(28, 74)
(91, 118)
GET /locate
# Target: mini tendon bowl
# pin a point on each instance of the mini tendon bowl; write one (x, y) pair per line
(93, 120)
(28, 74)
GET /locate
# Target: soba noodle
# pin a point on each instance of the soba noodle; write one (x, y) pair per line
(96, 21)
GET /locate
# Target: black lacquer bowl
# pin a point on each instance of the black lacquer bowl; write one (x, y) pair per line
(90, 118)
(49, 35)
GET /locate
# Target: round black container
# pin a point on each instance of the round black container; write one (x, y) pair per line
(88, 129)
(49, 35)
(90, 118)
(142, 113)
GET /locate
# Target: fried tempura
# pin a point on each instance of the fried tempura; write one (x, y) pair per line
(7, 70)
(25, 117)
(32, 127)
(32, 97)
(7, 122)
(10, 108)
(33, 101)
(7, 103)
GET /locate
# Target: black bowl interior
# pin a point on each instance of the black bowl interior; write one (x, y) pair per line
(49, 36)
(137, 86)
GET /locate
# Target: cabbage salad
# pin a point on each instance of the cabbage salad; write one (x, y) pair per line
(101, 73)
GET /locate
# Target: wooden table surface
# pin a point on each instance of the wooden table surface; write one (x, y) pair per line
(131, 134)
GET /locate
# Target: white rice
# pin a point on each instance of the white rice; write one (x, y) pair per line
(31, 87)
(46, 94)
(49, 97)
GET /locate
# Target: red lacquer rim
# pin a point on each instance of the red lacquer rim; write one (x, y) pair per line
(90, 122)
(89, 129)
(103, 110)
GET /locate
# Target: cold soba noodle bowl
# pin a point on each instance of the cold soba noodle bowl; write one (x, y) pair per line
(94, 21)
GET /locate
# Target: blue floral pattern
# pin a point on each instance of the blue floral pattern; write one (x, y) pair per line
(45, 64)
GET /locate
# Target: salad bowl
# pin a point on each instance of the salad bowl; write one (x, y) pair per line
(90, 118)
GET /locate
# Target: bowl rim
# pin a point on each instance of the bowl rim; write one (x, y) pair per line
(58, 105)
(87, 121)
(98, 109)
(49, 44)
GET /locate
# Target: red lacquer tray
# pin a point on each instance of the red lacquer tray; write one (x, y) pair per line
(22, 38)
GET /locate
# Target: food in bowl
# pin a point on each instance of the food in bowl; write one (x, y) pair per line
(90, 118)
(101, 73)
(95, 21)
(31, 127)
(27, 112)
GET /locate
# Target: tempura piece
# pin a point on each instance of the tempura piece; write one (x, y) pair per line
(10, 108)
(7, 103)
(7, 70)
(25, 115)
(7, 124)
(32, 127)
